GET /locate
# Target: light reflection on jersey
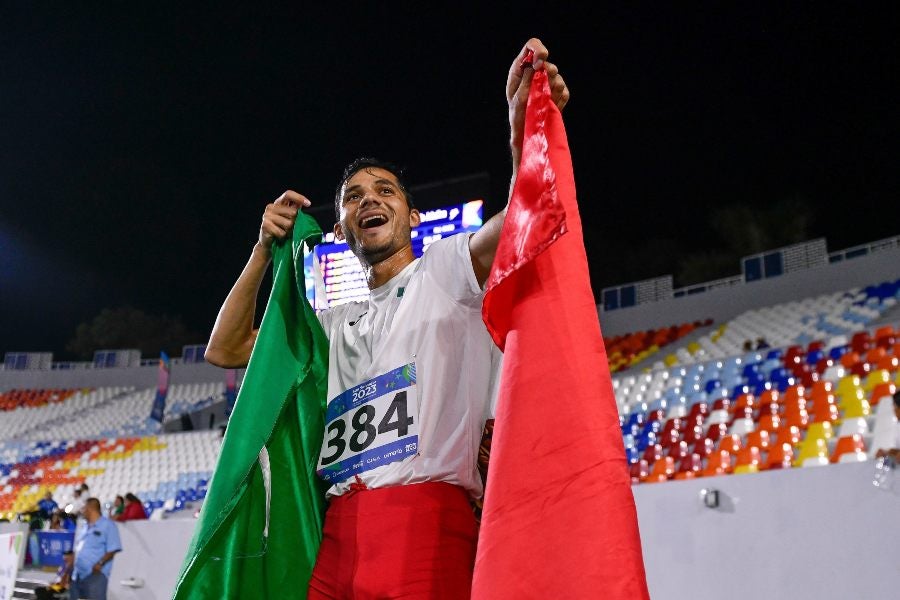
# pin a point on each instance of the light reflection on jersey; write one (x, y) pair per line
(342, 277)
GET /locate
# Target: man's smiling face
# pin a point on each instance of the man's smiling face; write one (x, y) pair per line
(375, 218)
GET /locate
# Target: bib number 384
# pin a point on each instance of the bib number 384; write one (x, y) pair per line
(370, 425)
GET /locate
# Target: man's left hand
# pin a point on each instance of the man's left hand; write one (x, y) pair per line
(518, 84)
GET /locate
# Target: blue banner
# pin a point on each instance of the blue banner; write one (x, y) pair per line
(52, 544)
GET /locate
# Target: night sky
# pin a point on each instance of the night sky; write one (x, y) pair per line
(139, 146)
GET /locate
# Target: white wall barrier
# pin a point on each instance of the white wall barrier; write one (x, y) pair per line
(801, 534)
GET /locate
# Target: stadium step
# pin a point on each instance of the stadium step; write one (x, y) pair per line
(29, 579)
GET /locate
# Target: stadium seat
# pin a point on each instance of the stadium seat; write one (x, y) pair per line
(851, 426)
(716, 431)
(741, 427)
(639, 471)
(812, 452)
(854, 408)
(760, 438)
(731, 442)
(850, 444)
(769, 423)
(826, 412)
(876, 378)
(690, 467)
(718, 463)
(748, 460)
(662, 470)
(788, 434)
(821, 430)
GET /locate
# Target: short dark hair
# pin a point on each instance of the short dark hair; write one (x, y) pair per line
(93, 503)
(367, 162)
(897, 398)
(67, 552)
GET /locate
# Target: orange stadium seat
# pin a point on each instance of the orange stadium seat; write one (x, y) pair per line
(748, 460)
(663, 470)
(788, 434)
(851, 444)
(760, 438)
(731, 443)
(718, 463)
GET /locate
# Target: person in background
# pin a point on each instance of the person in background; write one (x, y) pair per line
(762, 344)
(894, 452)
(77, 506)
(96, 543)
(59, 589)
(56, 521)
(134, 509)
(47, 505)
(115, 511)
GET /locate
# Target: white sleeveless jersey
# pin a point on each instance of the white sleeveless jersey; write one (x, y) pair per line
(428, 315)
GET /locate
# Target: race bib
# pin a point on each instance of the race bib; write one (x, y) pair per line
(370, 425)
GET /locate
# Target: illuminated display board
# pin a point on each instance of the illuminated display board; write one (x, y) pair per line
(342, 277)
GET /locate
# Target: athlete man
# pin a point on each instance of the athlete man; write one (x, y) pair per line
(399, 523)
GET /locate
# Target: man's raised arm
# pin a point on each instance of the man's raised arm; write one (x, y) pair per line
(233, 336)
(483, 243)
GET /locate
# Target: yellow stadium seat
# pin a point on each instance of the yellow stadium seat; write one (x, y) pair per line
(875, 378)
(847, 384)
(857, 408)
(811, 448)
(822, 430)
(851, 396)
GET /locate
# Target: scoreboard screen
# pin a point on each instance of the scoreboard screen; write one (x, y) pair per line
(334, 275)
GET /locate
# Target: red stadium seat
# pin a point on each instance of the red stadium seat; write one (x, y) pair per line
(639, 471)
(691, 466)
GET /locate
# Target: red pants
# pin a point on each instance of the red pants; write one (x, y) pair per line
(410, 541)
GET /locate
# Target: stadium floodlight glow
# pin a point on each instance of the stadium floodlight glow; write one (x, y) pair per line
(340, 276)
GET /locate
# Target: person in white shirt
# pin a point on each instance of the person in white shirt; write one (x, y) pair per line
(893, 452)
(410, 374)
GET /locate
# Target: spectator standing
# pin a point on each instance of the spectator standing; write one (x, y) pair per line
(134, 509)
(77, 506)
(47, 505)
(96, 543)
(59, 589)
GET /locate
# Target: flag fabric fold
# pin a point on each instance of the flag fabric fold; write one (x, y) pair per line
(261, 523)
(559, 518)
